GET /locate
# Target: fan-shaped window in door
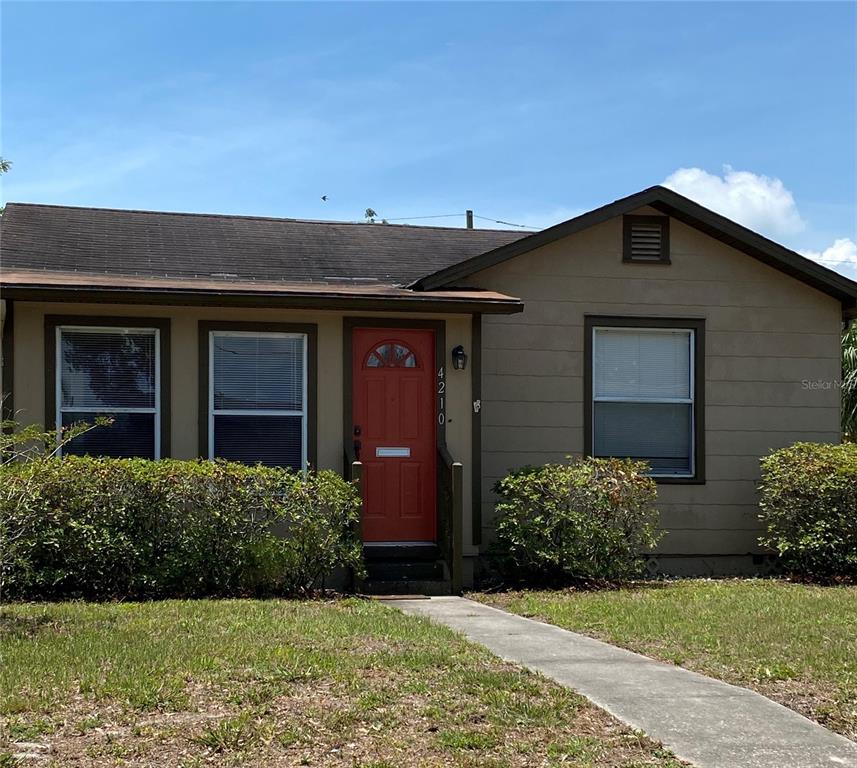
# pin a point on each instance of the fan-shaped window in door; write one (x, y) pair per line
(391, 354)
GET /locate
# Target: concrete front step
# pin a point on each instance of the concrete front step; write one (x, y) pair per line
(412, 551)
(432, 588)
(404, 570)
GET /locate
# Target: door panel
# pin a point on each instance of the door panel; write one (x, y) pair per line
(409, 417)
(410, 488)
(393, 404)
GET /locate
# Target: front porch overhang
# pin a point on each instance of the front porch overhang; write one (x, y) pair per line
(356, 295)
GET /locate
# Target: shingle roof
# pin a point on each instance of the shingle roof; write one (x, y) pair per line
(102, 241)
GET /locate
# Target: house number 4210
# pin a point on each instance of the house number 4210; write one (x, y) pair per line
(441, 397)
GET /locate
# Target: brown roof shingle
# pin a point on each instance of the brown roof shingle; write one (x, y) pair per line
(102, 241)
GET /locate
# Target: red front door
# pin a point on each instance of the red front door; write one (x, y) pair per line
(394, 425)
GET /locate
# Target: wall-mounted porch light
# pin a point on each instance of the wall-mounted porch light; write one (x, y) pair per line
(459, 358)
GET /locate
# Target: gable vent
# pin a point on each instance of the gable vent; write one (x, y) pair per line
(646, 239)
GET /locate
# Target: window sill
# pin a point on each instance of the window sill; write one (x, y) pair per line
(663, 480)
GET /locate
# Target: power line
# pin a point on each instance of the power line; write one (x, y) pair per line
(832, 262)
(414, 218)
(500, 221)
(454, 215)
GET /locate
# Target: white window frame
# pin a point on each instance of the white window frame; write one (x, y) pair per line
(60, 408)
(303, 413)
(691, 340)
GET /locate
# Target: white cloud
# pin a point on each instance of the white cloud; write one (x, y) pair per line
(843, 253)
(758, 202)
(761, 203)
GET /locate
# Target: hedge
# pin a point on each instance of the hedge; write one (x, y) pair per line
(587, 520)
(809, 508)
(133, 528)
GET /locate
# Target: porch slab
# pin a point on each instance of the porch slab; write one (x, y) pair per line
(706, 722)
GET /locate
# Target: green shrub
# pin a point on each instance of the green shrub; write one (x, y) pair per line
(590, 519)
(809, 508)
(133, 528)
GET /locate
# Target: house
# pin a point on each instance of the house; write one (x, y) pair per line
(435, 358)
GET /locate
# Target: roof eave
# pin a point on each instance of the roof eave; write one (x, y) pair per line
(416, 302)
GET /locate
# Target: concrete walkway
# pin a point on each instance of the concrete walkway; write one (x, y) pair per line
(708, 723)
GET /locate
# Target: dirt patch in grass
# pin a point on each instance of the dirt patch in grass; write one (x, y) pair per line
(343, 684)
(330, 728)
(827, 704)
(795, 643)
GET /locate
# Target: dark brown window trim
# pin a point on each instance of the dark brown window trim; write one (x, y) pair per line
(476, 429)
(52, 322)
(310, 329)
(629, 221)
(695, 324)
(7, 408)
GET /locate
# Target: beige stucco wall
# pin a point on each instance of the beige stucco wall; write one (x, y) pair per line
(29, 384)
(766, 334)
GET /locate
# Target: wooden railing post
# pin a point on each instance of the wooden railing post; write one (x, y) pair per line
(457, 563)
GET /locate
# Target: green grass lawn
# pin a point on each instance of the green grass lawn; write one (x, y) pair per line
(280, 683)
(792, 642)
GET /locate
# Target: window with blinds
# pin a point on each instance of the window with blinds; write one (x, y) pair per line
(257, 398)
(110, 372)
(643, 397)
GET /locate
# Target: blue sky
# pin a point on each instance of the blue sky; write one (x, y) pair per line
(525, 112)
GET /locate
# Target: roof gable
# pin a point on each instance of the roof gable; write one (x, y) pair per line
(679, 207)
